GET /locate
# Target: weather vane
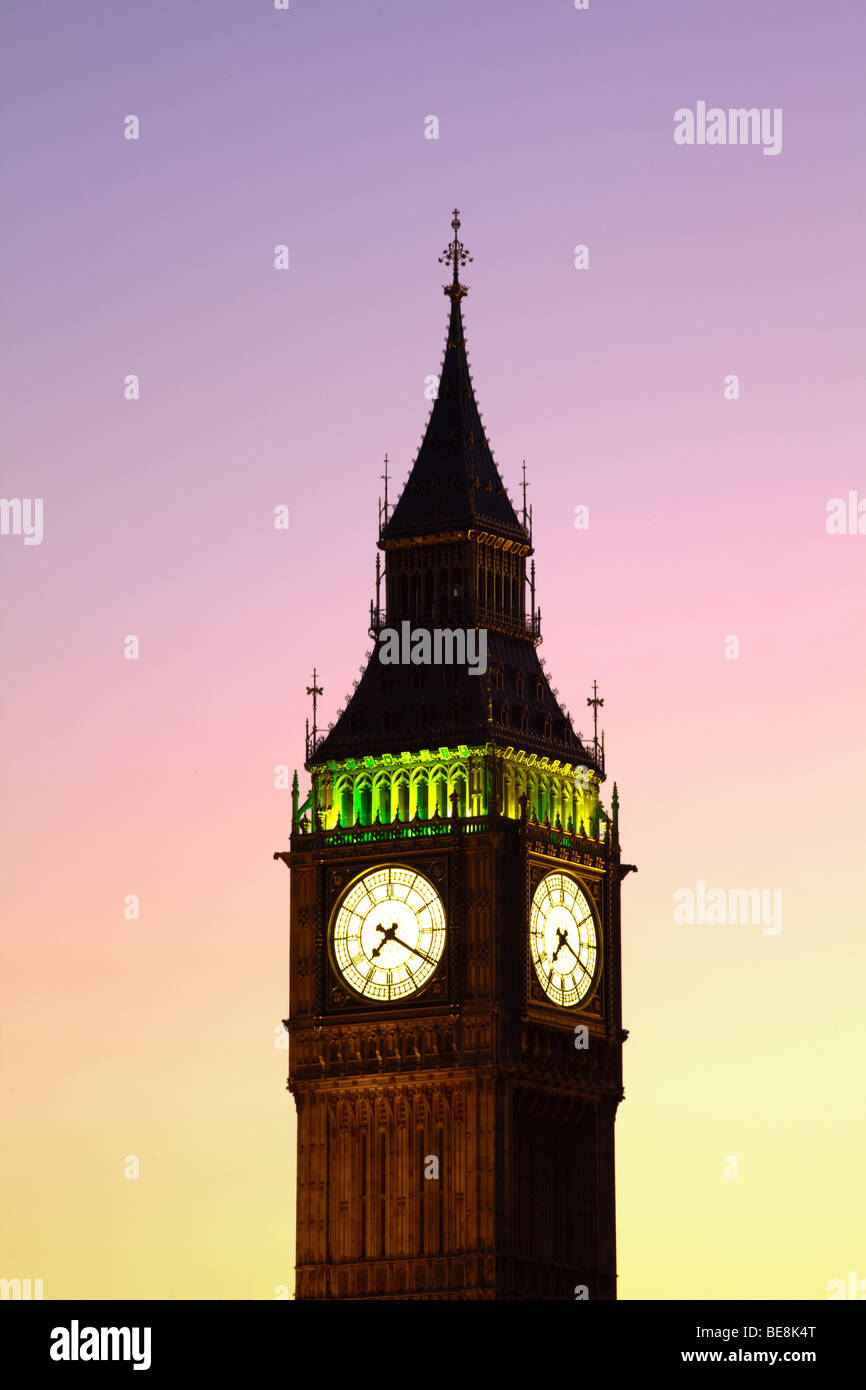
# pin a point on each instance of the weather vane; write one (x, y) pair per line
(455, 254)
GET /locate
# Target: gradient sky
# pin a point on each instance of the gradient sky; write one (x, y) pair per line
(258, 388)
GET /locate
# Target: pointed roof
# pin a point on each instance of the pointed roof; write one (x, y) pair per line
(454, 480)
(402, 709)
(405, 708)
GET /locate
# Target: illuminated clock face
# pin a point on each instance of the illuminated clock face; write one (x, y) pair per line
(389, 933)
(564, 940)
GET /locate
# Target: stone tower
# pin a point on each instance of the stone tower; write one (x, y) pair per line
(455, 1030)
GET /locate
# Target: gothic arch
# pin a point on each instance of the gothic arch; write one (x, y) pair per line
(382, 797)
(345, 802)
(364, 799)
(439, 788)
(420, 788)
(400, 797)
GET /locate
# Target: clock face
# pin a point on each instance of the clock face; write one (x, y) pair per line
(389, 933)
(564, 940)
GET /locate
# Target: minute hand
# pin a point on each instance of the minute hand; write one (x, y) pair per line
(413, 949)
(576, 956)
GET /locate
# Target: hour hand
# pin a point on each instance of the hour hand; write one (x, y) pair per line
(388, 934)
(561, 940)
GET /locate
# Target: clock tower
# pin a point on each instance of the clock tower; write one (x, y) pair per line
(455, 1030)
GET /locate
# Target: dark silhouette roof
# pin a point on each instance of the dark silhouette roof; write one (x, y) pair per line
(454, 480)
(406, 708)
(455, 485)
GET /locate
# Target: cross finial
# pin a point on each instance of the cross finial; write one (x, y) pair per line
(385, 478)
(315, 690)
(455, 254)
(596, 704)
(525, 485)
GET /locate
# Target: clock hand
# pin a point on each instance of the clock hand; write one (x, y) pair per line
(562, 940)
(579, 961)
(388, 934)
(413, 949)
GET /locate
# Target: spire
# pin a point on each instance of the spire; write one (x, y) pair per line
(454, 480)
(435, 545)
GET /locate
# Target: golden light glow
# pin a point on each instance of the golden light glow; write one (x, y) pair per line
(563, 939)
(389, 933)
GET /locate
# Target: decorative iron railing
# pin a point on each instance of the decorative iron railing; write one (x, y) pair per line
(537, 831)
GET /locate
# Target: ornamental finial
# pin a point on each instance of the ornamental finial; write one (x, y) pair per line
(596, 703)
(455, 254)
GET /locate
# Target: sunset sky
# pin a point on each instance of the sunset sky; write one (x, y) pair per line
(157, 1038)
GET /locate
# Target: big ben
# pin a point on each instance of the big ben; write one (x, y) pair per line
(455, 1029)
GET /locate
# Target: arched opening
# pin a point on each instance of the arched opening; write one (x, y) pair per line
(382, 799)
(510, 805)
(402, 799)
(421, 796)
(519, 789)
(440, 794)
(364, 802)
